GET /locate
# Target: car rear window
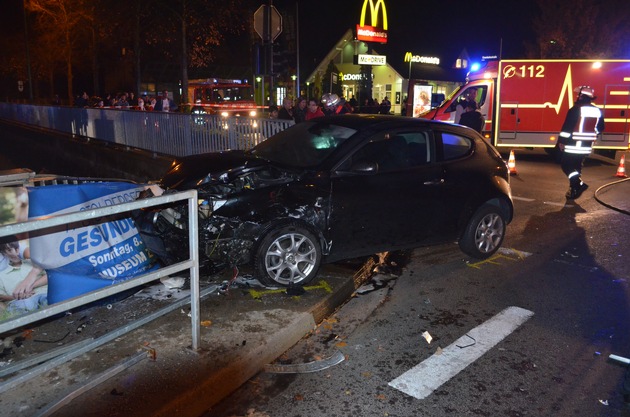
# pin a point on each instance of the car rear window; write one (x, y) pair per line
(455, 146)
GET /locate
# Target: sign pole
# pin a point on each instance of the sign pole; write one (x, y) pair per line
(270, 41)
(297, 49)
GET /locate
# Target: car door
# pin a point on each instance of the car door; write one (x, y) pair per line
(463, 180)
(385, 194)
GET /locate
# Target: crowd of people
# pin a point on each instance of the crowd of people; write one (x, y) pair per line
(303, 109)
(125, 100)
(298, 110)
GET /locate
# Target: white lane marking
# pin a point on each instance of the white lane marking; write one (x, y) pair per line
(511, 251)
(523, 199)
(421, 380)
(558, 204)
(529, 200)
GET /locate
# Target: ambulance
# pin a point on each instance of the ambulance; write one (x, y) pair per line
(524, 102)
(226, 97)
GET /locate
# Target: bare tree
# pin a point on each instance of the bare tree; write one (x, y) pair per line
(579, 29)
(68, 18)
(201, 26)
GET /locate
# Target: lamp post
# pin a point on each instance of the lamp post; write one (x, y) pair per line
(260, 90)
(308, 90)
(295, 94)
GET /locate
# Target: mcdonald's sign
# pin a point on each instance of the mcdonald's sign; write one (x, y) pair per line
(377, 30)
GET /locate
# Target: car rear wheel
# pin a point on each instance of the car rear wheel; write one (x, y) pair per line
(288, 255)
(484, 233)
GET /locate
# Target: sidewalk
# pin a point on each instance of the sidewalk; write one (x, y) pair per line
(152, 371)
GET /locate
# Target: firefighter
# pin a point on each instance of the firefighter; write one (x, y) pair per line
(332, 104)
(583, 123)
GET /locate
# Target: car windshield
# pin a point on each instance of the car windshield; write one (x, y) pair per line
(305, 145)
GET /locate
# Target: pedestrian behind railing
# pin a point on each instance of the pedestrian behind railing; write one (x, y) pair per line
(176, 134)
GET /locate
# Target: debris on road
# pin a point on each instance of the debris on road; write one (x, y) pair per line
(303, 368)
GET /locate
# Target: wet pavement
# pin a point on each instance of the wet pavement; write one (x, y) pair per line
(152, 371)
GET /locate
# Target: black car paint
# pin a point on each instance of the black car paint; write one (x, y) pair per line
(262, 195)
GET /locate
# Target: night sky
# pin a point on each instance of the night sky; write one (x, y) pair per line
(424, 27)
(430, 28)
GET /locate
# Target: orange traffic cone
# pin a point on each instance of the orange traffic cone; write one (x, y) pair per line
(621, 171)
(512, 164)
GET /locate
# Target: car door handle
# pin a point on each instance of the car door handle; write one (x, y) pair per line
(435, 182)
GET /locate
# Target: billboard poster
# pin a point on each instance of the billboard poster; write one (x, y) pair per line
(87, 258)
(23, 284)
(421, 99)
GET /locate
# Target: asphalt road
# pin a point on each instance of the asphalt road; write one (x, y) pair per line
(565, 262)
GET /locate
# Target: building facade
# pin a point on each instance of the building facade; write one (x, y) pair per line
(356, 70)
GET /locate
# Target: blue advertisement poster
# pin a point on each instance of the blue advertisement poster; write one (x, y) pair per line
(23, 285)
(87, 258)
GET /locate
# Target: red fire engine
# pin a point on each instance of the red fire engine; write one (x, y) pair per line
(525, 102)
(221, 96)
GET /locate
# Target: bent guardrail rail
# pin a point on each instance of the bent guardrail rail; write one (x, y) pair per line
(50, 360)
(191, 264)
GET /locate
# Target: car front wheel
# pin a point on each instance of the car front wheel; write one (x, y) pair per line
(288, 255)
(484, 233)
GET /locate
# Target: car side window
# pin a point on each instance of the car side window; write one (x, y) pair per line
(455, 146)
(480, 97)
(420, 148)
(396, 151)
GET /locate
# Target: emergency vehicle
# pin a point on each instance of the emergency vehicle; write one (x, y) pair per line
(222, 96)
(524, 102)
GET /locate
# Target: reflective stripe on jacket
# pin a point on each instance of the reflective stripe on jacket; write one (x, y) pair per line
(583, 123)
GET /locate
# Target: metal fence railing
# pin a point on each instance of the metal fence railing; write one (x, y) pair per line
(47, 225)
(176, 134)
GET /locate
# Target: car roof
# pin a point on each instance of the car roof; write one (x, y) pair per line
(359, 121)
(378, 122)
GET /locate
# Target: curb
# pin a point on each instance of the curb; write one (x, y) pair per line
(246, 334)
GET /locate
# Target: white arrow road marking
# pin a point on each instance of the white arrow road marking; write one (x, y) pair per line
(421, 380)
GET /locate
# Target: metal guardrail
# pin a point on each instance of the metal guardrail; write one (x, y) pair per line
(176, 134)
(191, 264)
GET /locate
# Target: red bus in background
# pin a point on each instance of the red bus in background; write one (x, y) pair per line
(221, 96)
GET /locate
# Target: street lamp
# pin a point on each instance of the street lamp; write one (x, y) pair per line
(295, 92)
(308, 89)
(260, 90)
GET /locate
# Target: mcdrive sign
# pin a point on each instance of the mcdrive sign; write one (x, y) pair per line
(377, 31)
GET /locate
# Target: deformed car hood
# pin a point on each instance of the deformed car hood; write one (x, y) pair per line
(225, 174)
(220, 167)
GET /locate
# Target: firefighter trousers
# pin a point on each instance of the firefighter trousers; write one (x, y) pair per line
(572, 167)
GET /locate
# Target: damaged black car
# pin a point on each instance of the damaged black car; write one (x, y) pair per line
(336, 188)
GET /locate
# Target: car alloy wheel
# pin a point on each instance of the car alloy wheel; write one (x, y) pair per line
(288, 255)
(485, 232)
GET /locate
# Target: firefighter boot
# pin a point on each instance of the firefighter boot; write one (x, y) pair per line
(581, 188)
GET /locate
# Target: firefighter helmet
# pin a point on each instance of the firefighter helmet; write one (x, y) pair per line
(585, 90)
(330, 100)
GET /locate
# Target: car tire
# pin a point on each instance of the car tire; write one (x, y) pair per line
(484, 233)
(287, 255)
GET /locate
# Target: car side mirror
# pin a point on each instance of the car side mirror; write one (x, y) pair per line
(365, 167)
(362, 168)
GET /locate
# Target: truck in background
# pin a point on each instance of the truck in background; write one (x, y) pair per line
(221, 96)
(525, 102)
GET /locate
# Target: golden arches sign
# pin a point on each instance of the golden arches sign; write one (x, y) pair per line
(380, 4)
(373, 32)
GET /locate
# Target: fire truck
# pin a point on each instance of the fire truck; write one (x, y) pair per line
(221, 96)
(525, 102)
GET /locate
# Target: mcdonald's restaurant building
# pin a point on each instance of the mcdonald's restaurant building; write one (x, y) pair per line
(391, 76)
